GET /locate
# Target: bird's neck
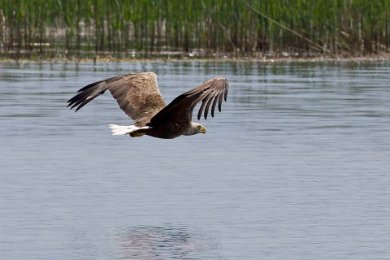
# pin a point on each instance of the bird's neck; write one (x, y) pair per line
(191, 130)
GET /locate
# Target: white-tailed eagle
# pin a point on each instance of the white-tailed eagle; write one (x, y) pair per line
(139, 97)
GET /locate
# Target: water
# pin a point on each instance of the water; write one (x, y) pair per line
(295, 167)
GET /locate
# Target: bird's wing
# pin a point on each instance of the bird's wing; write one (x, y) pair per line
(209, 93)
(137, 94)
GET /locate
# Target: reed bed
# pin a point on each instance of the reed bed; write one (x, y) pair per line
(201, 28)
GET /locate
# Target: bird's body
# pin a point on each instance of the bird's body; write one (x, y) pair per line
(139, 97)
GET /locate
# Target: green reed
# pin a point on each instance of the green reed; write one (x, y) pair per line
(57, 28)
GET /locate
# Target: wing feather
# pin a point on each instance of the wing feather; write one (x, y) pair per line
(209, 102)
(220, 98)
(214, 104)
(179, 111)
(137, 94)
(203, 106)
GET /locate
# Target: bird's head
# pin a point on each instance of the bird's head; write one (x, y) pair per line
(196, 128)
(201, 129)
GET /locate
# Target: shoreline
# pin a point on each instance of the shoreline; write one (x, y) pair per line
(276, 59)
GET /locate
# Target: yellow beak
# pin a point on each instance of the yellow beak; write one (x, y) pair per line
(202, 130)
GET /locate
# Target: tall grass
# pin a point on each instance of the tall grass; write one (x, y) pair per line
(201, 27)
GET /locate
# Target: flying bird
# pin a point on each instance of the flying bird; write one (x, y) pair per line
(139, 97)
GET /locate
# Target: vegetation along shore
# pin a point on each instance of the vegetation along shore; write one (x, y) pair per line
(120, 29)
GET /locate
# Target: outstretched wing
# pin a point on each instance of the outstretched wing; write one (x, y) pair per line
(179, 111)
(137, 94)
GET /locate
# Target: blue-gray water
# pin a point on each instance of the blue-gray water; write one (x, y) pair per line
(295, 167)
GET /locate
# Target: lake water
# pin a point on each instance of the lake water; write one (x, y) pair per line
(295, 167)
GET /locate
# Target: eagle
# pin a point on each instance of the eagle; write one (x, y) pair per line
(138, 95)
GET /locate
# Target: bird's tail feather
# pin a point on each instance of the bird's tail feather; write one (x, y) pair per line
(125, 129)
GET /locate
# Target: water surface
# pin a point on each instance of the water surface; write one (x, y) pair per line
(295, 167)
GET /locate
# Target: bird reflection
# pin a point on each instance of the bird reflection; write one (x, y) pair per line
(148, 242)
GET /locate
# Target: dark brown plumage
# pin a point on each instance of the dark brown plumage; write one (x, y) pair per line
(139, 97)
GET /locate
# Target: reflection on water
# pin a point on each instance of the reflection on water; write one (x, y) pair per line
(295, 167)
(166, 242)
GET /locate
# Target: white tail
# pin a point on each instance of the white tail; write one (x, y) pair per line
(124, 129)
